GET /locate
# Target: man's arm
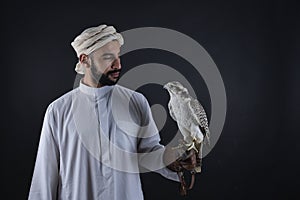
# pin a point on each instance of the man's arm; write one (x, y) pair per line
(45, 176)
(149, 144)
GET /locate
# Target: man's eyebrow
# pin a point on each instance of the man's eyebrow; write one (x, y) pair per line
(109, 54)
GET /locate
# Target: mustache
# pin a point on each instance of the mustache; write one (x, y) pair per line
(113, 71)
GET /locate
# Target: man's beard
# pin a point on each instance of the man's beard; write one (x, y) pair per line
(103, 79)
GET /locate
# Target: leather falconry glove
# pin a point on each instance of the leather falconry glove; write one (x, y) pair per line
(188, 160)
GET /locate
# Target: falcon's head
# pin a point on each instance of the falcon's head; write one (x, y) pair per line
(177, 89)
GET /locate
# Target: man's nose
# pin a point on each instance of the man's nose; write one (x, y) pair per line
(116, 64)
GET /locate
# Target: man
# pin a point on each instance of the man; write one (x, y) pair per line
(98, 137)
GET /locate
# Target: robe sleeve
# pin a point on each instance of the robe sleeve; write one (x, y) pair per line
(45, 176)
(152, 162)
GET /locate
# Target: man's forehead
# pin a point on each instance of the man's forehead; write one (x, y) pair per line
(112, 47)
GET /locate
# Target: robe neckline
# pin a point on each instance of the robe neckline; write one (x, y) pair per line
(97, 93)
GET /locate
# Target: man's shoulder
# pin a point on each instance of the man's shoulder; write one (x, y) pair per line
(123, 88)
(63, 101)
(127, 91)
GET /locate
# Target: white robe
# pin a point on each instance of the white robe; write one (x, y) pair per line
(91, 144)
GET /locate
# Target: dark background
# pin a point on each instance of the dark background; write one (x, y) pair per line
(255, 45)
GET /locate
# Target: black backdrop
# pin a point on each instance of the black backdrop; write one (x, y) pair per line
(255, 45)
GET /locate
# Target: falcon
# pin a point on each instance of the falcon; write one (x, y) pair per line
(190, 117)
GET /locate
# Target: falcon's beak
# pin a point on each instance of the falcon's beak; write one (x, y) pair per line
(167, 86)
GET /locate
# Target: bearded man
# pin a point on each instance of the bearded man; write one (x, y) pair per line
(96, 138)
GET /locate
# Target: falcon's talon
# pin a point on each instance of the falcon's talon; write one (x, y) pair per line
(192, 146)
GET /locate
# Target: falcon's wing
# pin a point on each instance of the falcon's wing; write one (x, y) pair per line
(171, 112)
(199, 116)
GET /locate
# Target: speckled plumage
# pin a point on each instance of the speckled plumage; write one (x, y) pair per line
(188, 113)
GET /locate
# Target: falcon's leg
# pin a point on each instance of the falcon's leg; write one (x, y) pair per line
(198, 136)
(186, 135)
(185, 143)
(199, 160)
(196, 133)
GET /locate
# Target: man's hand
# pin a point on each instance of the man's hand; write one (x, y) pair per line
(178, 162)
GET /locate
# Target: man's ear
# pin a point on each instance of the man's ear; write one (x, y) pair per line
(84, 59)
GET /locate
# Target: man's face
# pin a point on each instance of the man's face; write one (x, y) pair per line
(106, 61)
